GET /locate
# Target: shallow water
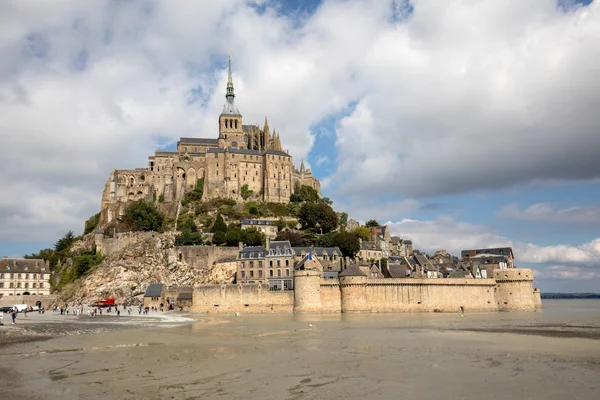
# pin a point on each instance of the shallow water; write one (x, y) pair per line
(286, 356)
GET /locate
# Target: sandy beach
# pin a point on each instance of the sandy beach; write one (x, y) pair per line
(554, 354)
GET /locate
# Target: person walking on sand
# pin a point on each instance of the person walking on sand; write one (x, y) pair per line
(13, 314)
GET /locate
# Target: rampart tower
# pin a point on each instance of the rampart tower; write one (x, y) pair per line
(353, 285)
(514, 289)
(307, 291)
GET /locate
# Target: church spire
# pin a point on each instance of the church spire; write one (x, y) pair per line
(229, 80)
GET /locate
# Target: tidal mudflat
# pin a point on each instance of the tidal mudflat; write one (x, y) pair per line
(553, 354)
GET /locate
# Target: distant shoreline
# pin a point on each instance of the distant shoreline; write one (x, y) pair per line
(570, 295)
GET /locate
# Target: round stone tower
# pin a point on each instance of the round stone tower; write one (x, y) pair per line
(514, 289)
(353, 284)
(307, 291)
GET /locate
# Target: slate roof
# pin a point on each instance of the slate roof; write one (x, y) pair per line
(352, 270)
(257, 222)
(313, 264)
(459, 273)
(202, 141)
(154, 290)
(330, 251)
(278, 153)
(252, 252)
(235, 151)
(365, 245)
(499, 251)
(18, 265)
(397, 270)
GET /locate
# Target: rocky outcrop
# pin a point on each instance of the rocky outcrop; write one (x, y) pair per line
(125, 274)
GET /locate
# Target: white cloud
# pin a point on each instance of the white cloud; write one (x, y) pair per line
(547, 213)
(447, 233)
(586, 254)
(562, 272)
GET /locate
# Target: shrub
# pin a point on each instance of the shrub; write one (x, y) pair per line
(318, 216)
(219, 226)
(143, 216)
(245, 192)
(91, 223)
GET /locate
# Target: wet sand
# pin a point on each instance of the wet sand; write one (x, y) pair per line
(391, 356)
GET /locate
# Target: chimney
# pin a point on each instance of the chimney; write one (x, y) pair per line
(268, 243)
(241, 246)
(380, 266)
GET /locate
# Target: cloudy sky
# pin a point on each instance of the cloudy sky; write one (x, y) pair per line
(463, 124)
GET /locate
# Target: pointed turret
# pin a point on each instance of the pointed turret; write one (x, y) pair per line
(302, 166)
(229, 81)
(266, 128)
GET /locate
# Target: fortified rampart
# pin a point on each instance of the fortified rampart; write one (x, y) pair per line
(254, 297)
(30, 300)
(510, 290)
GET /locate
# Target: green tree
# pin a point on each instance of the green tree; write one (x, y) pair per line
(219, 225)
(143, 216)
(91, 223)
(318, 216)
(326, 200)
(362, 232)
(309, 238)
(194, 195)
(295, 237)
(219, 238)
(65, 242)
(347, 243)
(246, 193)
(233, 236)
(342, 218)
(252, 237)
(372, 223)
(161, 198)
(304, 193)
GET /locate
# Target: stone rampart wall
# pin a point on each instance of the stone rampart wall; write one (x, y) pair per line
(252, 298)
(107, 245)
(204, 257)
(331, 295)
(429, 295)
(30, 300)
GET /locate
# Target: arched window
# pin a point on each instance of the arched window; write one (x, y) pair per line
(236, 124)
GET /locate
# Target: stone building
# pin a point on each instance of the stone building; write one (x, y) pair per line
(268, 228)
(19, 277)
(496, 251)
(274, 263)
(400, 247)
(259, 264)
(369, 251)
(242, 157)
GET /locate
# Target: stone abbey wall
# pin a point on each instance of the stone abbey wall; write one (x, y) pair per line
(512, 290)
(30, 300)
(204, 257)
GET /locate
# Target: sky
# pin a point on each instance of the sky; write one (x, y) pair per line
(461, 124)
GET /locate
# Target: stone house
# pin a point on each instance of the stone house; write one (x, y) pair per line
(400, 247)
(257, 264)
(330, 257)
(443, 261)
(369, 251)
(22, 277)
(268, 228)
(488, 262)
(496, 251)
(153, 297)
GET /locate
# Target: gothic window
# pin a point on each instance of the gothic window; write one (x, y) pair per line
(236, 124)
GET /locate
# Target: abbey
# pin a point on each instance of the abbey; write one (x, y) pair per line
(242, 156)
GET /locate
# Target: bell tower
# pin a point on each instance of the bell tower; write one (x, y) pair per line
(230, 120)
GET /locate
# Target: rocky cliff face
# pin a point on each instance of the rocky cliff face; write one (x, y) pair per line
(125, 274)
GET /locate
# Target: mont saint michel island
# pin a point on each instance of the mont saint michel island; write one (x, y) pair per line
(361, 199)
